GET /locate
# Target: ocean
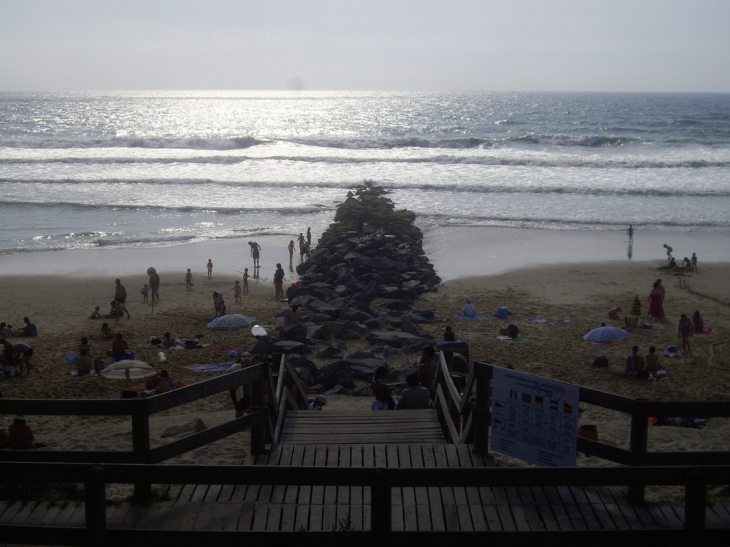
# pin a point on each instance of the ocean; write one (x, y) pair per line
(148, 169)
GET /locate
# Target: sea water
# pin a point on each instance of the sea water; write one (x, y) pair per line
(144, 169)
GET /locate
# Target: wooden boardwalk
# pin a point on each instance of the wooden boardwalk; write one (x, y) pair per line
(293, 507)
(353, 427)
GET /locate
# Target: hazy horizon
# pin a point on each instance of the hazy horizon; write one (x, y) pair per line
(522, 45)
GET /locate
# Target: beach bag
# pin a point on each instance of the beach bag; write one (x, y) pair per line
(588, 432)
(601, 362)
(155, 341)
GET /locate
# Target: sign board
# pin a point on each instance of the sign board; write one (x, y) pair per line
(534, 419)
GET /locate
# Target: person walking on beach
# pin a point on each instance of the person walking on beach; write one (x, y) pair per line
(255, 248)
(309, 236)
(154, 283)
(669, 252)
(245, 280)
(237, 291)
(188, 280)
(279, 282)
(684, 331)
(120, 293)
(630, 232)
(291, 250)
(694, 262)
(210, 268)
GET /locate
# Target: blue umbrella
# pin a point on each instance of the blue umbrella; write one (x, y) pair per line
(605, 334)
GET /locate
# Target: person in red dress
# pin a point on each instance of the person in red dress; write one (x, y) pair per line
(656, 301)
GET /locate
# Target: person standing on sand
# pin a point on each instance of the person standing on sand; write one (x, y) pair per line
(634, 362)
(656, 301)
(684, 331)
(309, 236)
(120, 293)
(210, 268)
(291, 250)
(154, 283)
(188, 280)
(630, 232)
(694, 262)
(381, 391)
(255, 253)
(245, 280)
(279, 282)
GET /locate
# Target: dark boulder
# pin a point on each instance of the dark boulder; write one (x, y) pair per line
(302, 363)
(353, 314)
(350, 330)
(336, 373)
(287, 347)
(410, 328)
(330, 352)
(398, 305)
(394, 338)
(361, 355)
(320, 332)
(296, 332)
(397, 293)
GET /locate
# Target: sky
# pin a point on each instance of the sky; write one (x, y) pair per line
(402, 45)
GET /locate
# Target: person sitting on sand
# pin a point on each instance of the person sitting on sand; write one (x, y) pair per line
(653, 365)
(237, 291)
(84, 345)
(698, 324)
(8, 359)
(686, 264)
(414, 397)
(95, 314)
(119, 347)
(294, 316)
(106, 332)
(449, 335)
(83, 363)
(684, 331)
(21, 436)
(165, 383)
(318, 402)
(168, 341)
(119, 309)
(510, 330)
(383, 399)
(427, 367)
(614, 313)
(28, 330)
(469, 309)
(7, 330)
(150, 383)
(634, 363)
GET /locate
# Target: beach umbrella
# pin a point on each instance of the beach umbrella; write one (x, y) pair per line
(605, 334)
(232, 322)
(128, 370)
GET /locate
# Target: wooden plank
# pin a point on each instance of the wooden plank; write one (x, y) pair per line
(273, 520)
(285, 459)
(65, 514)
(659, 519)
(588, 517)
(330, 492)
(628, 510)
(315, 517)
(292, 490)
(460, 498)
(305, 491)
(301, 519)
(230, 512)
(245, 516)
(492, 518)
(434, 493)
(356, 516)
(356, 492)
(320, 459)
(368, 461)
(260, 516)
(329, 521)
(532, 515)
(561, 516)
(343, 492)
(548, 518)
(397, 516)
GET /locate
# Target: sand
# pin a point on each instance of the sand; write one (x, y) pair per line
(582, 292)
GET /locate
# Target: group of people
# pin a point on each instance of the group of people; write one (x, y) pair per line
(15, 358)
(688, 263)
(19, 436)
(419, 389)
(305, 245)
(648, 367)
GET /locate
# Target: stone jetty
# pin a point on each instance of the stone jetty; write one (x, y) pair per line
(371, 251)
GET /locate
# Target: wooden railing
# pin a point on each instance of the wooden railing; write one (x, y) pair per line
(476, 420)
(379, 480)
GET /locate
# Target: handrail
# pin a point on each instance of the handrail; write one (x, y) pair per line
(380, 480)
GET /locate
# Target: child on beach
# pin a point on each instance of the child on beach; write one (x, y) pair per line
(245, 280)
(145, 292)
(188, 280)
(95, 314)
(210, 268)
(237, 291)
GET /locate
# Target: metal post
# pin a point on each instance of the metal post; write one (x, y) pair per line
(694, 503)
(141, 445)
(481, 430)
(639, 436)
(380, 507)
(95, 497)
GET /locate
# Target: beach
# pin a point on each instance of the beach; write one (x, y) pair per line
(583, 292)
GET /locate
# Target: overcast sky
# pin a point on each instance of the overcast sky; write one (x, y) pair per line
(454, 45)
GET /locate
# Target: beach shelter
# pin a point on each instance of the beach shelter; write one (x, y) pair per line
(605, 334)
(232, 322)
(128, 370)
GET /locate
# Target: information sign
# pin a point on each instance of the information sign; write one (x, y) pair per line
(534, 419)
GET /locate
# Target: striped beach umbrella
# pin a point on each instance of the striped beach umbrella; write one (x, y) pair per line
(605, 334)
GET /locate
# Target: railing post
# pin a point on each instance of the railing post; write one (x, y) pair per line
(380, 507)
(481, 431)
(639, 436)
(258, 402)
(695, 495)
(95, 505)
(141, 445)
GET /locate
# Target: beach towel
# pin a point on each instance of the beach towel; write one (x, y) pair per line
(213, 367)
(71, 358)
(475, 317)
(229, 350)
(706, 330)
(536, 320)
(517, 339)
(75, 374)
(563, 321)
(672, 351)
